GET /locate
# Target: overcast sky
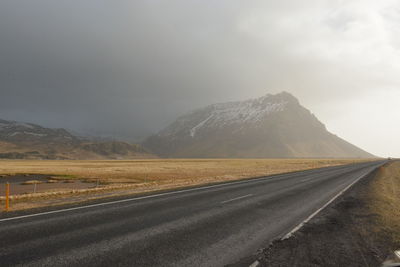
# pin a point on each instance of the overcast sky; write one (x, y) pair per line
(128, 68)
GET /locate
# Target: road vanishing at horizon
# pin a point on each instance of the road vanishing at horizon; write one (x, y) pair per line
(205, 226)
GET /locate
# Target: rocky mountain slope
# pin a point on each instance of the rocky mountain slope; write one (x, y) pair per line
(270, 126)
(31, 141)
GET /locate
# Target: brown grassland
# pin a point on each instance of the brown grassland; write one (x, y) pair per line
(138, 176)
(164, 170)
(384, 200)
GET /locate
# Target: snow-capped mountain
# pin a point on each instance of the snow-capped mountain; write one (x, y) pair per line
(226, 114)
(269, 126)
(31, 141)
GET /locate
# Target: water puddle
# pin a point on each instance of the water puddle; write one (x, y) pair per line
(25, 184)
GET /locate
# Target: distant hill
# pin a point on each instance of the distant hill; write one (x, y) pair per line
(273, 126)
(30, 141)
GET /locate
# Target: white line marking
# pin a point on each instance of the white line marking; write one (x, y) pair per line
(324, 206)
(140, 198)
(151, 196)
(305, 180)
(237, 198)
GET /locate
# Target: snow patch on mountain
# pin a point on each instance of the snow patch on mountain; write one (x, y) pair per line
(14, 134)
(194, 129)
(28, 133)
(250, 111)
(23, 124)
(35, 134)
(245, 111)
(9, 124)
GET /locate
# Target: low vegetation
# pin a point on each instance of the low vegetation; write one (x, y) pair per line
(157, 170)
(137, 176)
(384, 200)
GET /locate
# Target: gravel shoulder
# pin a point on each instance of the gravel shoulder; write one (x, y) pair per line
(358, 229)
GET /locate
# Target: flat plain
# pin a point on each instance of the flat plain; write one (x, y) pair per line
(164, 170)
(138, 176)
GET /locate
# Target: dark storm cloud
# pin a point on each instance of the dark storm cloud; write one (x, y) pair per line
(130, 65)
(127, 68)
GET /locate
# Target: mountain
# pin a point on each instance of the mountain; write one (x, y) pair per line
(273, 126)
(30, 141)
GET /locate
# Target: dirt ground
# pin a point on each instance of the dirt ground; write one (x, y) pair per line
(356, 230)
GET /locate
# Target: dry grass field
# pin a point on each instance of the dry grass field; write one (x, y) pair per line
(384, 200)
(164, 170)
(137, 176)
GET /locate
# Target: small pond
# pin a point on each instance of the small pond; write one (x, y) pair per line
(45, 183)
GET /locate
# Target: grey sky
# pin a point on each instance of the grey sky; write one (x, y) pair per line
(127, 68)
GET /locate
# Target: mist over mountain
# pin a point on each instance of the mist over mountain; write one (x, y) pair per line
(30, 141)
(272, 126)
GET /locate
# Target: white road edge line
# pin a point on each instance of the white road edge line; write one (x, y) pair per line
(237, 198)
(138, 198)
(288, 235)
(144, 197)
(256, 263)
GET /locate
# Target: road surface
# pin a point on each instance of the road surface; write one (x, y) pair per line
(204, 226)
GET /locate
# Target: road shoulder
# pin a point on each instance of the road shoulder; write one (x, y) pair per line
(350, 232)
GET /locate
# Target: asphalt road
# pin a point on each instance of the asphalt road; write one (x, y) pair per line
(205, 226)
